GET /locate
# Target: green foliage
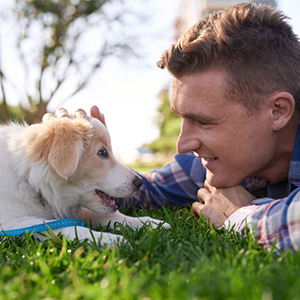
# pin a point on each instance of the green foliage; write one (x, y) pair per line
(169, 125)
(11, 113)
(192, 260)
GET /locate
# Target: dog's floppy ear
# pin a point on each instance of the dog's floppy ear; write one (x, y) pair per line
(65, 152)
(59, 141)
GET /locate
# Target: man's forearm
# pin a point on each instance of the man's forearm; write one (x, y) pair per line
(271, 220)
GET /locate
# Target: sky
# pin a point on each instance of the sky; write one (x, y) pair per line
(127, 93)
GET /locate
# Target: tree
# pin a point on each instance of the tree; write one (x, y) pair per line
(51, 47)
(169, 125)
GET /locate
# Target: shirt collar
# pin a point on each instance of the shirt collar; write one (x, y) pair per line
(294, 173)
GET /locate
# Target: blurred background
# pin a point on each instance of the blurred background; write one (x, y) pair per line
(79, 53)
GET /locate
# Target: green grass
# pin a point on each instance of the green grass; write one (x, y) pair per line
(192, 260)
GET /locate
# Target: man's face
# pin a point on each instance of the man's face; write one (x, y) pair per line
(233, 143)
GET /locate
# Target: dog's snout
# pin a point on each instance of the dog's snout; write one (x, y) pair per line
(138, 181)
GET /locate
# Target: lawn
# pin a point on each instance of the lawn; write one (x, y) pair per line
(192, 260)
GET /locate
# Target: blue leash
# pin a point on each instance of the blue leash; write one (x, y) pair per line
(43, 227)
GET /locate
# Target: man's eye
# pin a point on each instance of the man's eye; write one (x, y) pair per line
(103, 153)
(202, 123)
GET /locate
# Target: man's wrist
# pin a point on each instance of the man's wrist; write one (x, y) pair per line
(241, 214)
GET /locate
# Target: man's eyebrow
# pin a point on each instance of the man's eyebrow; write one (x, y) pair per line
(199, 118)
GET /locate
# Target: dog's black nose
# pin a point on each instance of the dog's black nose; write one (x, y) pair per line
(138, 181)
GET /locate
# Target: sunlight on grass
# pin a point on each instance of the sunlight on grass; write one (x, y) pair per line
(192, 260)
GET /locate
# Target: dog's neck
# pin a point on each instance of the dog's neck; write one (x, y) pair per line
(47, 206)
(41, 198)
(38, 197)
(37, 194)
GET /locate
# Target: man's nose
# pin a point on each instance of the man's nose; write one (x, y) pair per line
(187, 140)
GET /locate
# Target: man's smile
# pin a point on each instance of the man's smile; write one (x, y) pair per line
(207, 159)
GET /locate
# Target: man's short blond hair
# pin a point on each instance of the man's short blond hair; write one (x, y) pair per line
(254, 45)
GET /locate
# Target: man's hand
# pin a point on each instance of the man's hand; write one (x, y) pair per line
(63, 113)
(95, 113)
(219, 204)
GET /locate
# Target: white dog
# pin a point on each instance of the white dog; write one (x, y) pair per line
(64, 168)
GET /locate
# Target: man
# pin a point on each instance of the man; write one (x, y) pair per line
(236, 86)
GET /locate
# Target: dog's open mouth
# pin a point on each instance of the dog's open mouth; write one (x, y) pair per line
(106, 199)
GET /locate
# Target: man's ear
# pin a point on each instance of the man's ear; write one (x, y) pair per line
(283, 108)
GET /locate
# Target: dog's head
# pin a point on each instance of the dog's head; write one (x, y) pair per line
(82, 169)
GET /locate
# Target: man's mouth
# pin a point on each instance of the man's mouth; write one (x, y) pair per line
(207, 159)
(106, 199)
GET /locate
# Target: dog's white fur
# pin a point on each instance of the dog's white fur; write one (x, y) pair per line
(54, 170)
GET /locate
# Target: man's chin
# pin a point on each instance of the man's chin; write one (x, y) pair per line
(219, 182)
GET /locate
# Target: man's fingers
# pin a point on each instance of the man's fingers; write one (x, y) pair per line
(203, 195)
(95, 113)
(47, 117)
(61, 113)
(209, 187)
(80, 113)
(197, 210)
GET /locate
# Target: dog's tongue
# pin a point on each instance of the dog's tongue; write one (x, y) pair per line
(106, 200)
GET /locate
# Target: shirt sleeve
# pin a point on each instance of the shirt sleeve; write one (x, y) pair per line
(272, 221)
(175, 183)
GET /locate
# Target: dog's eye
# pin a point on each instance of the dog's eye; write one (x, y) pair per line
(103, 153)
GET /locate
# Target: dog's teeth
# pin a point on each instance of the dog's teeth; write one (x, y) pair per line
(106, 199)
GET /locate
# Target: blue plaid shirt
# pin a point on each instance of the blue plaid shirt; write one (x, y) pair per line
(275, 220)
(177, 183)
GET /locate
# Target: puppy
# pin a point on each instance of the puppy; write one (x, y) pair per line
(64, 168)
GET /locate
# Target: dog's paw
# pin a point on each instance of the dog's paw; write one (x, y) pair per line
(109, 239)
(166, 225)
(105, 238)
(154, 222)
